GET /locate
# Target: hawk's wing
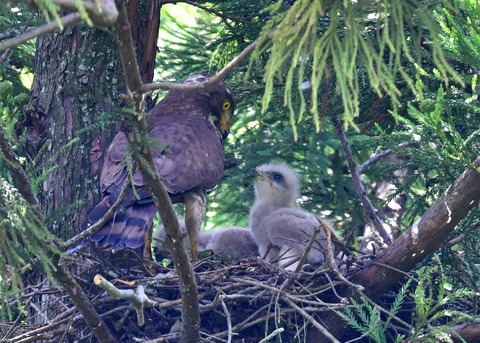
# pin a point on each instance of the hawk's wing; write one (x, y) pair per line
(193, 158)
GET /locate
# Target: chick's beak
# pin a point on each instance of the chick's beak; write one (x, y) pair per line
(257, 174)
(254, 173)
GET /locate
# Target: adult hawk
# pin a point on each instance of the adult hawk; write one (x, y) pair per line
(191, 126)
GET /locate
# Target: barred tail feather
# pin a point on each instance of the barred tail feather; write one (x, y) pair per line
(127, 227)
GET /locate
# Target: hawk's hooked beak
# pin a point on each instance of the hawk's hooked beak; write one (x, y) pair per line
(224, 127)
(222, 123)
(258, 174)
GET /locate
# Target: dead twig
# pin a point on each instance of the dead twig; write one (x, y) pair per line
(137, 297)
(309, 246)
(65, 21)
(357, 183)
(216, 78)
(95, 227)
(331, 258)
(312, 321)
(272, 335)
(378, 156)
(229, 319)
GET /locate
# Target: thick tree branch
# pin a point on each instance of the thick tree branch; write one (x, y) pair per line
(190, 313)
(470, 332)
(421, 239)
(357, 183)
(426, 235)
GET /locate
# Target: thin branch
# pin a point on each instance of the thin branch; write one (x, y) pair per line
(52, 324)
(19, 177)
(67, 20)
(273, 334)
(190, 303)
(14, 326)
(461, 236)
(312, 320)
(83, 304)
(4, 56)
(206, 9)
(378, 156)
(217, 78)
(303, 259)
(309, 246)
(357, 183)
(104, 16)
(229, 319)
(13, 33)
(331, 258)
(95, 227)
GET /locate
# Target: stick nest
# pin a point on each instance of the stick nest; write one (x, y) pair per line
(239, 303)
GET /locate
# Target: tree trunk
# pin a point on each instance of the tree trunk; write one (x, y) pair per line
(144, 18)
(77, 76)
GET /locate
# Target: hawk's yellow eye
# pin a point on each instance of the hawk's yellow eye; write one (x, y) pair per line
(226, 105)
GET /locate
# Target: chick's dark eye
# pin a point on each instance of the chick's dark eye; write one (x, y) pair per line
(226, 105)
(277, 177)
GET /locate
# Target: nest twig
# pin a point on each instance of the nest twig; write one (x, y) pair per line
(249, 301)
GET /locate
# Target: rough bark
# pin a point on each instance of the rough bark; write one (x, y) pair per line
(144, 17)
(77, 75)
(62, 275)
(423, 238)
(470, 332)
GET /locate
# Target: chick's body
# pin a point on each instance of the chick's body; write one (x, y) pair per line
(235, 242)
(279, 227)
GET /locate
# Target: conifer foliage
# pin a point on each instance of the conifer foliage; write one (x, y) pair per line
(401, 76)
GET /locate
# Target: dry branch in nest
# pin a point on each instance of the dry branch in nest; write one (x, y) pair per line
(136, 297)
(248, 301)
(251, 301)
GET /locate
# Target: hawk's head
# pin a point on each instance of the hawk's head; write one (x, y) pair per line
(218, 99)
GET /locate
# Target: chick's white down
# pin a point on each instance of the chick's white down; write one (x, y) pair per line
(279, 227)
(236, 243)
